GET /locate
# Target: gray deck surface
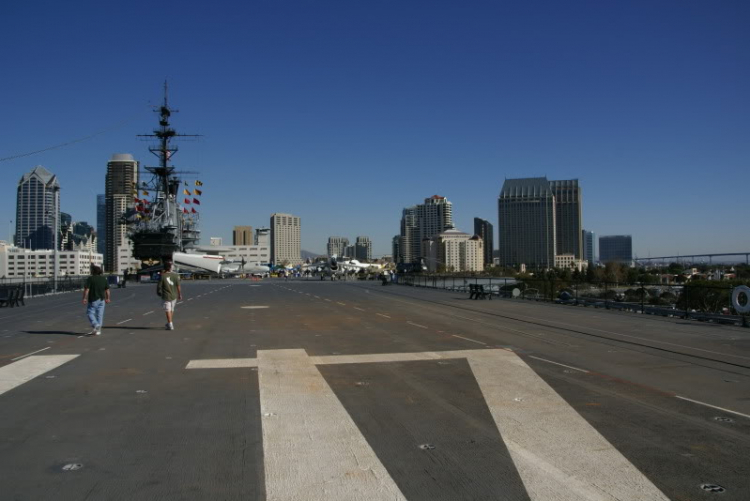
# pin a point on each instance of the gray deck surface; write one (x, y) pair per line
(527, 392)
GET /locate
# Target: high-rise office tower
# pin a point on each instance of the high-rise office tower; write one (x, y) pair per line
(568, 225)
(526, 223)
(37, 209)
(421, 222)
(101, 223)
(483, 229)
(337, 246)
(285, 239)
(616, 249)
(242, 235)
(363, 249)
(589, 253)
(120, 189)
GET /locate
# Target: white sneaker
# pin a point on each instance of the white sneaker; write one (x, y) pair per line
(171, 326)
(99, 331)
(92, 333)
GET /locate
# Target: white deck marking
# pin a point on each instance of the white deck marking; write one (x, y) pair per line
(128, 320)
(190, 299)
(469, 339)
(328, 300)
(180, 302)
(20, 372)
(712, 406)
(312, 448)
(558, 363)
(254, 307)
(148, 313)
(360, 309)
(222, 363)
(386, 316)
(558, 454)
(342, 304)
(29, 354)
(416, 325)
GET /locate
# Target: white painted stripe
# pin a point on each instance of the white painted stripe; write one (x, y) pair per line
(416, 325)
(378, 358)
(342, 304)
(148, 313)
(317, 297)
(469, 339)
(557, 453)
(180, 302)
(713, 406)
(558, 363)
(190, 299)
(25, 370)
(222, 363)
(128, 320)
(360, 309)
(328, 300)
(312, 448)
(29, 354)
(386, 316)
(254, 307)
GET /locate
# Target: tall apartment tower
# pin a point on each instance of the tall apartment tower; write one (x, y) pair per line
(589, 253)
(410, 242)
(285, 239)
(337, 246)
(435, 216)
(101, 223)
(568, 224)
(37, 209)
(363, 249)
(526, 223)
(421, 222)
(122, 176)
(483, 229)
(242, 235)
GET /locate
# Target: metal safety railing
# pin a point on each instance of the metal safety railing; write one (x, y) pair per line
(701, 301)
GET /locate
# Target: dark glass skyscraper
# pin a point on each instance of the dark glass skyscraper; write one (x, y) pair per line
(483, 228)
(568, 217)
(526, 223)
(37, 209)
(616, 249)
(101, 223)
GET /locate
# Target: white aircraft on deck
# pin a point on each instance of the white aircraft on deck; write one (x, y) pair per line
(217, 264)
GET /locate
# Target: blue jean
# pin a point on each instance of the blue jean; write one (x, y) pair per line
(95, 311)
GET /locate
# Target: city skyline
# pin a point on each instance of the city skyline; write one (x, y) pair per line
(643, 108)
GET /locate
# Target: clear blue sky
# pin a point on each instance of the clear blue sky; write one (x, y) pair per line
(344, 112)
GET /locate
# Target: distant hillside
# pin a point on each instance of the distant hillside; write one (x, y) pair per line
(307, 254)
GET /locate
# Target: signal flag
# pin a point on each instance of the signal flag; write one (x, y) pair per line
(197, 192)
(192, 209)
(187, 200)
(198, 183)
(196, 201)
(186, 192)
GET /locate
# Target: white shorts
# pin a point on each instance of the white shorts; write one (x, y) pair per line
(169, 305)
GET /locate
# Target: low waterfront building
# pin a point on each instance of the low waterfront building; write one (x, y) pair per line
(17, 263)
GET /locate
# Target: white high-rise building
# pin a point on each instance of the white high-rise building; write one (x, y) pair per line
(285, 239)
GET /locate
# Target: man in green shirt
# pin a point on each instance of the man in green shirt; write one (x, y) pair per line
(170, 292)
(96, 294)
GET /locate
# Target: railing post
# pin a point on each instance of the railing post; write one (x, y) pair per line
(606, 296)
(643, 293)
(687, 301)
